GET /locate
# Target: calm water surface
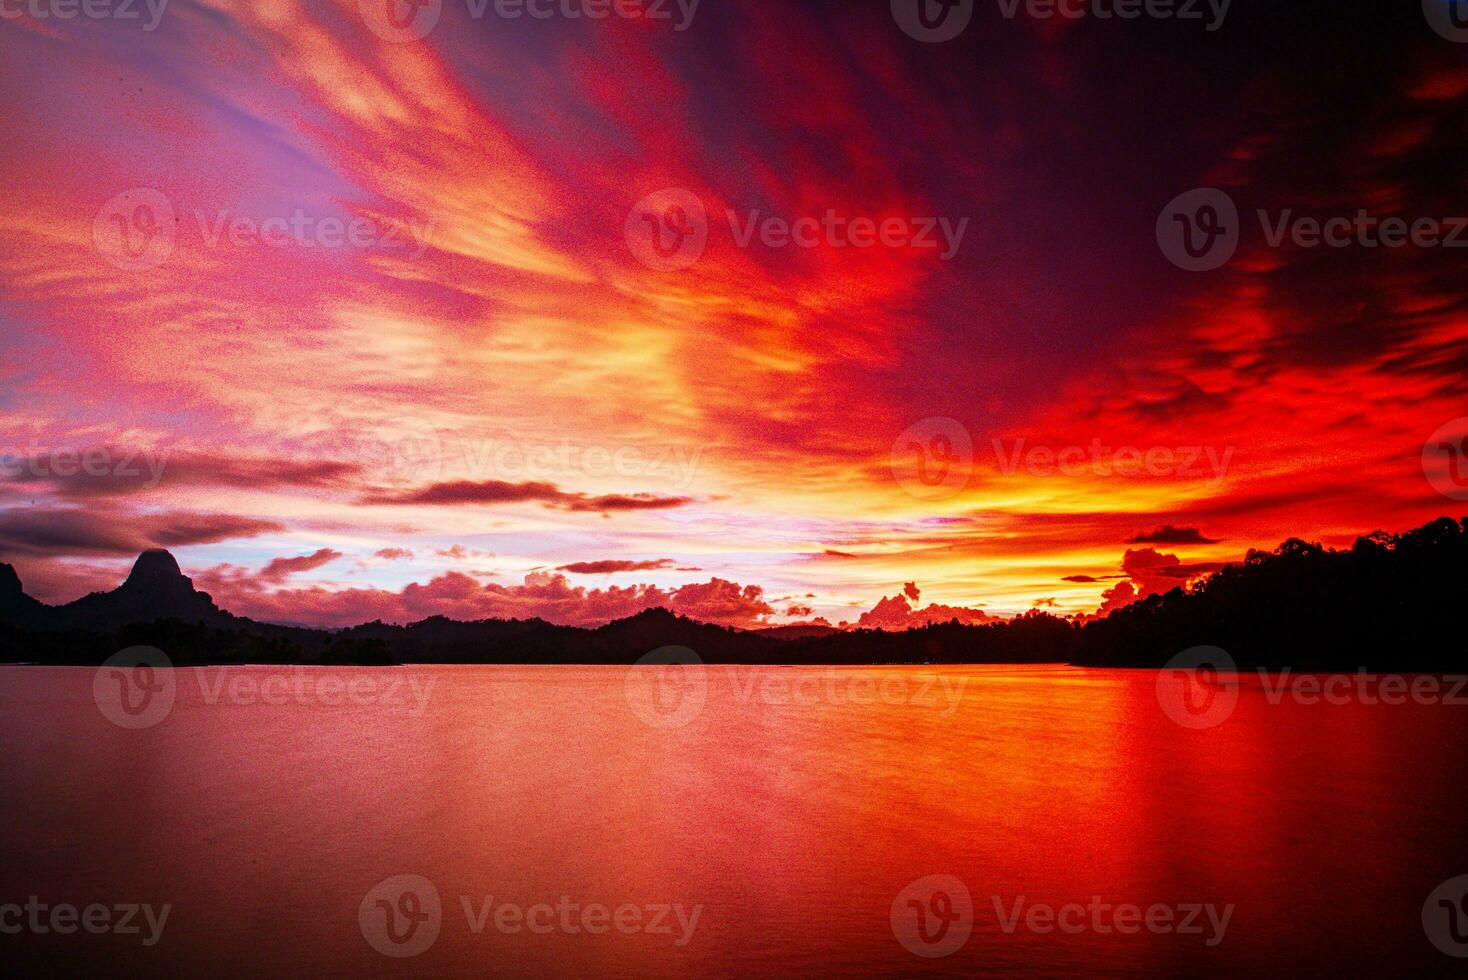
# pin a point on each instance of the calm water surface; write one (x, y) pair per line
(791, 809)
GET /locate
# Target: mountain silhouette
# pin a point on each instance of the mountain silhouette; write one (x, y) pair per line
(155, 589)
(1390, 602)
(15, 606)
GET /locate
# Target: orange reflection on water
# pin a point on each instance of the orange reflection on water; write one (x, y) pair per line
(783, 816)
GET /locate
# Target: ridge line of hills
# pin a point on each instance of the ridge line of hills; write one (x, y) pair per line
(1390, 602)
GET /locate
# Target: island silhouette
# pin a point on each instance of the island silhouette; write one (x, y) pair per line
(1389, 602)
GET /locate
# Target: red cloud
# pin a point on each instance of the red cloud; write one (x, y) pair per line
(609, 566)
(107, 471)
(280, 569)
(458, 596)
(1167, 534)
(1150, 572)
(897, 613)
(502, 492)
(46, 531)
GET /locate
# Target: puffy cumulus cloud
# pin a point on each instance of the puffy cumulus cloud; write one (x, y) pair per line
(1119, 595)
(1155, 571)
(898, 613)
(721, 601)
(1150, 572)
(393, 554)
(542, 595)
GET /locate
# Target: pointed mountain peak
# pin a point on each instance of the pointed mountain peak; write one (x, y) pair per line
(154, 568)
(155, 589)
(9, 581)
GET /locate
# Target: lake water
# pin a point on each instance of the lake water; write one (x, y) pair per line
(717, 821)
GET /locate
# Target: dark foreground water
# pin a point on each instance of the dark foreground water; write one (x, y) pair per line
(723, 822)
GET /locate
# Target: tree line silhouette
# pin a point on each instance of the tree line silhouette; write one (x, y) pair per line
(1389, 602)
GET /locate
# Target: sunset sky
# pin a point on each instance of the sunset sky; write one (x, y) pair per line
(488, 403)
